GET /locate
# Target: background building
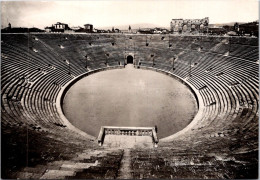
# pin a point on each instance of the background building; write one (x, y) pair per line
(88, 28)
(249, 29)
(59, 27)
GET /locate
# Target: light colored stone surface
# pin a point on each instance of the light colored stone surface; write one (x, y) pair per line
(57, 174)
(61, 169)
(122, 141)
(79, 165)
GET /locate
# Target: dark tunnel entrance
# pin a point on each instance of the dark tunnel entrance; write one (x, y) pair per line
(130, 59)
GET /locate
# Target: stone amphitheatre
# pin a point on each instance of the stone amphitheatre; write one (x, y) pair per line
(38, 141)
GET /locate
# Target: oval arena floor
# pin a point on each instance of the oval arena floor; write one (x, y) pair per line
(129, 97)
(220, 142)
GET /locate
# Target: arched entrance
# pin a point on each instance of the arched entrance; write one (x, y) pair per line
(129, 59)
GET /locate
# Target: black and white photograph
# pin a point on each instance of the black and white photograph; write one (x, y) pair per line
(130, 89)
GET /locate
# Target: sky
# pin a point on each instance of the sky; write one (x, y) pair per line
(106, 13)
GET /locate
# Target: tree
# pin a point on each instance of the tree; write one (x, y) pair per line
(236, 26)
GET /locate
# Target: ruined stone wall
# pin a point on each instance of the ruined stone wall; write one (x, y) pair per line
(189, 25)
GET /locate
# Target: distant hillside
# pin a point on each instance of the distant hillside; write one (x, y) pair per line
(133, 26)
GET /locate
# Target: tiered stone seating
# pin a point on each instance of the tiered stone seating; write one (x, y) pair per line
(193, 162)
(221, 143)
(31, 82)
(223, 84)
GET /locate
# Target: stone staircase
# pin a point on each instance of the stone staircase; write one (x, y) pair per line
(125, 171)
